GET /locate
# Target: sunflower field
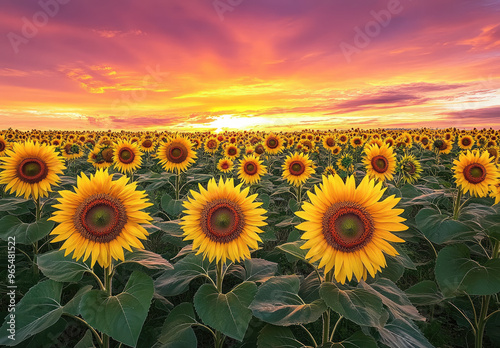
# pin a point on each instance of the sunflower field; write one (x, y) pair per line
(343, 238)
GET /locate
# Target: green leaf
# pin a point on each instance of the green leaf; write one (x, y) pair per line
(259, 270)
(456, 272)
(16, 206)
(86, 341)
(441, 228)
(147, 259)
(176, 281)
(229, 312)
(56, 266)
(401, 333)
(171, 206)
(25, 233)
(294, 249)
(393, 298)
(121, 316)
(265, 200)
(277, 337)
(358, 340)
(177, 330)
(424, 293)
(73, 305)
(39, 309)
(357, 305)
(277, 302)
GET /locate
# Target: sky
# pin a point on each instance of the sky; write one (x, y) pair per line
(249, 64)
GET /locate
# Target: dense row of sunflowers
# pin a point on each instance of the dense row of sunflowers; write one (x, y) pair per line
(349, 223)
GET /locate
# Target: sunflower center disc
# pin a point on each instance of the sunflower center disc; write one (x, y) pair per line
(2, 146)
(107, 154)
(475, 173)
(272, 143)
(224, 166)
(250, 168)
(211, 144)
(410, 168)
(259, 149)
(127, 155)
(100, 218)
(380, 164)
(466, 142)
(222, 220)
(177, 153)
(232, 151)
(297, 168)
(330, 142)
(347, 226)
(32, 170)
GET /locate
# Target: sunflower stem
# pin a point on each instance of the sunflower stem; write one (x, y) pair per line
(299, 195)
(335, 327)
(326, 314)
(177, 181)
(108, 276)
(481, 323)
(219, 337)
(456, 210)
(35, 245)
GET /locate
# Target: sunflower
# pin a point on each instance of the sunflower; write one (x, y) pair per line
(329, 142)
(336, 150)
(442, 146)
(101, 218)
(30, 169)
(380, 162)
(223, 221)
(273, 144)
(356, 142)
(177, 154)
(232, 151)
(251, 170)
(409, 169)
(147, 145)
(494, 153)
(211, 145)
(71, 150)
(96, 159)
(298, 168)
(329, 171)
(466, 142)
(127, 156)
(225, 165)
(348, 228)
(346, 163)
(343, 139)
(474, 172)
(4, 145)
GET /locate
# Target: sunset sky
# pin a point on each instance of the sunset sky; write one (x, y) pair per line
(249, 64)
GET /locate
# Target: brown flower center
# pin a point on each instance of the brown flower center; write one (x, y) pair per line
(212, 144)
(2, 145)
(100, 218)
(410, 168)
(250, 168)
(177, 152)
(380, 164)
(475, 173)
(224, 165)
(107, 154)
(330, 142)
(231, 151)
(466, 141)
(296, 168)
(259, 149)
(126, 155)
(272, 143)
(222, 220)
(32, 170)
(347, 226)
